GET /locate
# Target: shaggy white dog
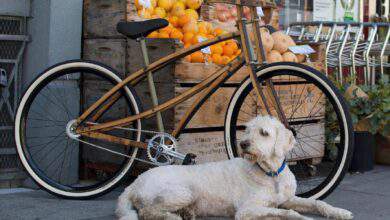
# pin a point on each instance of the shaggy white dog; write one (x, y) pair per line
(237, 187)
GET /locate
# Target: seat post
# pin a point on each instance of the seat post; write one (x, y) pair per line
(151, 84)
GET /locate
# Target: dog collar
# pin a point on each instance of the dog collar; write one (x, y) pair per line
(275, 173)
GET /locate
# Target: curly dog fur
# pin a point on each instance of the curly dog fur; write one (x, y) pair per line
(234, 188)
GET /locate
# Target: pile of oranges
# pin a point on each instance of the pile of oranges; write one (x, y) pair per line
(185, 26)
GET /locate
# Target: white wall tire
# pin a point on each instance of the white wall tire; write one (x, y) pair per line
(314, 74)
(18, 136)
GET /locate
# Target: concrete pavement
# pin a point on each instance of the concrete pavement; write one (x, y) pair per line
(366, 195)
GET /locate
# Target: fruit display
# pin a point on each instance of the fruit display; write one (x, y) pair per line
(276, 46)
(184, 25)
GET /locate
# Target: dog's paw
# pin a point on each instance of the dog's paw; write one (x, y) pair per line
(343, 214)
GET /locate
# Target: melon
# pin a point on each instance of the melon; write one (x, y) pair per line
(290, 41)
(282, 41)
(274, 56)
(289, 57)
(267, 40)
(301, 58)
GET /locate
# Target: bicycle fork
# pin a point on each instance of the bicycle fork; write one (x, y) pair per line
(252, 59)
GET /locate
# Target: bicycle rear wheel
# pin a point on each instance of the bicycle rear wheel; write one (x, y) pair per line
(58, 162)
(319, 119)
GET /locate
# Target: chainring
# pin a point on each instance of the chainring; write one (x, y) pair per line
(157, 149)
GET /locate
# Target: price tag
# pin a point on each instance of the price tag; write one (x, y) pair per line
(205, 50)
(145, 3)
(260, 12)
(302, 49)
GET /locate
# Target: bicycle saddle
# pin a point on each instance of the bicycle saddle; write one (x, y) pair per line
(137, 29)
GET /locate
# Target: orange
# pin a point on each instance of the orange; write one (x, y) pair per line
(192, 13)
(234, 45)
(187, 45)
(174, 21)
(194, 4)
(168, 29)
(210, 36)
(238, 52)
(188, 37)
(188, 58)
(176, 34)
(202, 29)
(197, 38)
(228, 50)
(163, 35)
(154, 34)
(197, 57)
(216, 49)
(216, 58)
(166, 4)
(184, 19)
(225, 60)
(178, 9)
(191, 27)
(218, 31)
(160, 12)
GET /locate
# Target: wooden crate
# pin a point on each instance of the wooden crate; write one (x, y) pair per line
(100, 17)
(111, 52)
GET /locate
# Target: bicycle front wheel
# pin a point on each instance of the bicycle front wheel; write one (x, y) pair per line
(58, 160)
(317, 116)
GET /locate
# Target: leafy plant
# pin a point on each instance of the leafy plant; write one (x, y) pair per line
(371, 111)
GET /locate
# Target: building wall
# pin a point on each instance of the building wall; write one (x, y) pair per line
(55, 31)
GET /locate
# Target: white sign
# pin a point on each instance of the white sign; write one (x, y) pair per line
(330, 10)
(260, 12)
(145, 3)
(206, 50)
(323, 10)
(302, 49)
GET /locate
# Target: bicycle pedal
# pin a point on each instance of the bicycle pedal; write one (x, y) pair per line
(189, 159)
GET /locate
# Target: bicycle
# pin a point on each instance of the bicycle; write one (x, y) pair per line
(113, 124)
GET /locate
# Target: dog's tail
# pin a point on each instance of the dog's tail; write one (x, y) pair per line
(125, 209)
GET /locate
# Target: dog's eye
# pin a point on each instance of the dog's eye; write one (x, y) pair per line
(263, 132)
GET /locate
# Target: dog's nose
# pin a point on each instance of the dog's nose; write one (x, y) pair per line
(245, 144)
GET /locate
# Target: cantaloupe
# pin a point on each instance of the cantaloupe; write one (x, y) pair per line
(282, 41)
(274, 56)
(290, 41)
(301, 58)
(289, 57)
(267, 40)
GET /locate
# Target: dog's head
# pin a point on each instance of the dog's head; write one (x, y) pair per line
(265, 138)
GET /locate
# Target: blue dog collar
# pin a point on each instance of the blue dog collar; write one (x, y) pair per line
(273, 174)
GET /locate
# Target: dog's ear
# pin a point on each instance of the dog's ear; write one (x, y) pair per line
(285, 141)
(290, 141)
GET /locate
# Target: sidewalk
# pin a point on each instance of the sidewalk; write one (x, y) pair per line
(366, 195)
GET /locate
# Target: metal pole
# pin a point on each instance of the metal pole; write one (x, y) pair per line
(328, 48)
(151, 84)
(345, 39)
(384, 49)
(353, 54)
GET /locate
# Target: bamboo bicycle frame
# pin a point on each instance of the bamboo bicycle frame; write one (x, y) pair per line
(207, 87)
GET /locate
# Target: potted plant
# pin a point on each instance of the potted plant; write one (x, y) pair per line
(370, 112)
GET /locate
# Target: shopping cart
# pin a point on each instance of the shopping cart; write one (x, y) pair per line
(347, 46)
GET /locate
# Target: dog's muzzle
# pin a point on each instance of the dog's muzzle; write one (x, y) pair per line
(245, 144)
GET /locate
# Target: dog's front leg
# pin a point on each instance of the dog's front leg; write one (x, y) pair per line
(316, 207)
(256, 209)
